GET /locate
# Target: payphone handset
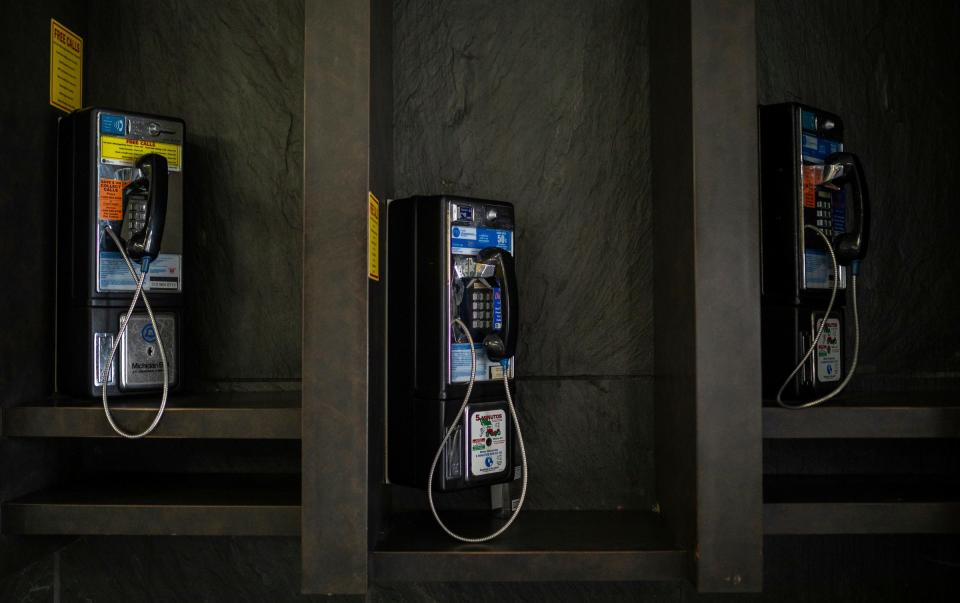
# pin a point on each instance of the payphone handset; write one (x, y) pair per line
(144, 215)
(845, 247)
(145, 208)
(485, 305)
(501, 342)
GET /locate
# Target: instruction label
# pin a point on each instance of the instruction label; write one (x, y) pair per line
(373, 237)
(164, 273)
(828, 351)
(812, 177)
(487, 370)
(488, 442)
(469, 240)
(111, 198)
(818, 270)
(117, 150)
(66, 68)
(815, 149)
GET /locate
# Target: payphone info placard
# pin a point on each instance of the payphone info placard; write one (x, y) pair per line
(820, 208)
(469, 240)
(828, 351)
(122, 140)
(488, 441)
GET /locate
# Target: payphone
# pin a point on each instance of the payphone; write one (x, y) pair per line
(119, 237)
(452, 317)
(814, 232)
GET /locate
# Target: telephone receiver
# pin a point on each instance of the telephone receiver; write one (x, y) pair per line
(503, 344)
(840, 169)
(145, 207)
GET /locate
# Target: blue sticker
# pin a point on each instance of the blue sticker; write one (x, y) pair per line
(467, 240)
(148, 334)
(111, 124)
(113, 274)
(839, 213)
(818, 269)
(460, 361)
(816, 149)
(808, 120)
(466, 213)
(497, 309)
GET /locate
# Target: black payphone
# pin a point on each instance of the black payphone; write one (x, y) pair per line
(452, 316)
(119, 236)
(814, 215)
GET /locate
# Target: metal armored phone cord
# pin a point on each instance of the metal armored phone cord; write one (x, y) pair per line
(516, 424)
(123, 329)
(855, 267)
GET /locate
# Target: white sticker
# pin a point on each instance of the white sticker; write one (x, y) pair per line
(818, 269)
(487, 370)
(467, 233)
(488, 442)
(114, 275)
(828, 351)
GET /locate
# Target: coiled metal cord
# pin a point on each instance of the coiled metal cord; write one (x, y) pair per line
(104, 378)
(823, 323)
(452, 428)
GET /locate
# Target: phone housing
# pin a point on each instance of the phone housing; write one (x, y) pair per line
(99, 156)
(800, 147)
(449, 257)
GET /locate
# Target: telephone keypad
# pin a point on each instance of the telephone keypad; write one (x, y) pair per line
(136, 215)
(481, 309)
(824, 213)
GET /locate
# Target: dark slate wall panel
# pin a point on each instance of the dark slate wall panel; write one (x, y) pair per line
(32, 584)
(234, 72)
(545, 104)
(889, 68)
(589, 443)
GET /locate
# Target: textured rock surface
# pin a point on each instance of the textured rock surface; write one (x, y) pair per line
(542, 104)
(32, 584)
(890, 70)
(590, 443)
(234, 72)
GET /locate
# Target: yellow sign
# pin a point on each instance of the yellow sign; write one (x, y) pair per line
(66, 68)
(117, 149)
(373, 237)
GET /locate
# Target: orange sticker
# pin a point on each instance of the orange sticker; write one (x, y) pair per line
(111, 199)
(812, 177)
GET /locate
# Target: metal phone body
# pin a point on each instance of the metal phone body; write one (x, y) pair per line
(796, 271)
(432, 276)
(97, 152)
